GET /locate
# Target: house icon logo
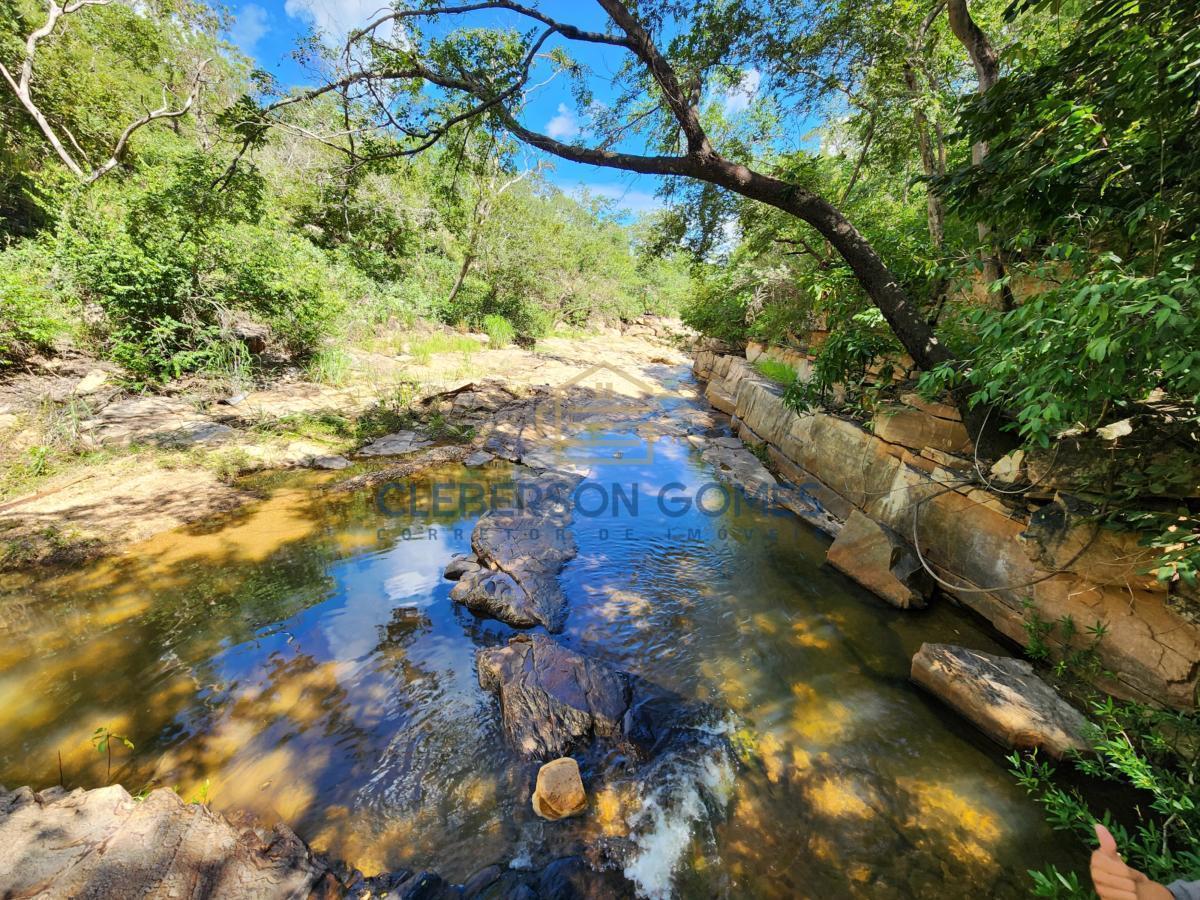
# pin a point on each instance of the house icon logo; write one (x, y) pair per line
(592, 415)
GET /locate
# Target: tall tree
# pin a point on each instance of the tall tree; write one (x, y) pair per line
(485, 73)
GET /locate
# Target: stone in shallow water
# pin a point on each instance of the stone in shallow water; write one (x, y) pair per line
(520, 553)
(498, 595)
(329, 462)
(478, 458)
(1002, 697)
(460, 564)
(553, 699)
(559, 792)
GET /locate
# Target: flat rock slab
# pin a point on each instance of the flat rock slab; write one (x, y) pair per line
(734, 464)
(553, 699)
(881, 561)
(1002, 697)
(196, 433)
(136, 420)
(103, 843)
(397, 444)
(915, 428)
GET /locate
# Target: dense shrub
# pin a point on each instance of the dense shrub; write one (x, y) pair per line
(178, 265)
(31, 314)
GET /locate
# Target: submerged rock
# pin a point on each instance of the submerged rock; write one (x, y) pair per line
(497, 595)
(1002, 696)
(881, 561)
(553, 699)
(333, 462)
(559, 792)
(103, 843)
(478, 458)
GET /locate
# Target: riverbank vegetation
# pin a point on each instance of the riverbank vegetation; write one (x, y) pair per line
(210, 238)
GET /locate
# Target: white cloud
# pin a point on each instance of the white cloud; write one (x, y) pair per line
(336, 18)
(250, 24)
(739, 97)
(564, 126)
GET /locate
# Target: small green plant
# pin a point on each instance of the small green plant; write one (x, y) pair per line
(775, 370)
(102, 740)
(761, 451)
(1152, 752)
(499, 330)
(329, 365)
(202, 796)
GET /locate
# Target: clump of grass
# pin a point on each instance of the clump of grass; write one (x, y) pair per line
(423, 348)
(775, 370)
(499, 330)
(330, 365)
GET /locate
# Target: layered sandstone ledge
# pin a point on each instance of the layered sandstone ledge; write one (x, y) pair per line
(1011, 566)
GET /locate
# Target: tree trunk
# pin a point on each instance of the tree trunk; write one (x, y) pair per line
(468, 259)
(936, 212)
(987, 69)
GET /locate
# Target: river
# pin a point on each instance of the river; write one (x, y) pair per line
(300, 660)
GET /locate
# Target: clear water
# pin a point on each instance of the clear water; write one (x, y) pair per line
(300, 660)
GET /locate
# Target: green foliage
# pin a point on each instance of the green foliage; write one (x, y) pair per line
(1125, 334)
(102, 740)
(1092, 176)
(178, 263)
(499, 331)
(1150, 754)
(31, 312)
(845, 360)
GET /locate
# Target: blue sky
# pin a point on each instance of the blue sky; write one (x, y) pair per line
(267, 30)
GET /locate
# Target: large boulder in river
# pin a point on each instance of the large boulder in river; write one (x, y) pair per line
(520, 552)
(881, 561)
(553, 699)
(1002, 697)
(534, 600)
(103, 843)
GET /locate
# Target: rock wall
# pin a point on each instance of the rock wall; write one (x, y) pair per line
(1012, 563)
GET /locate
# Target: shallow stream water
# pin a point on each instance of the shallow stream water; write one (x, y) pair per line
(300, 660)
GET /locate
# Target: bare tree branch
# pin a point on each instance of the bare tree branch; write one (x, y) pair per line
(660, 70)
(566, 30)
(21, 86)
(163, 112)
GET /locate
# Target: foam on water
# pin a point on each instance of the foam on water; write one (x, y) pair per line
(690, 792)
